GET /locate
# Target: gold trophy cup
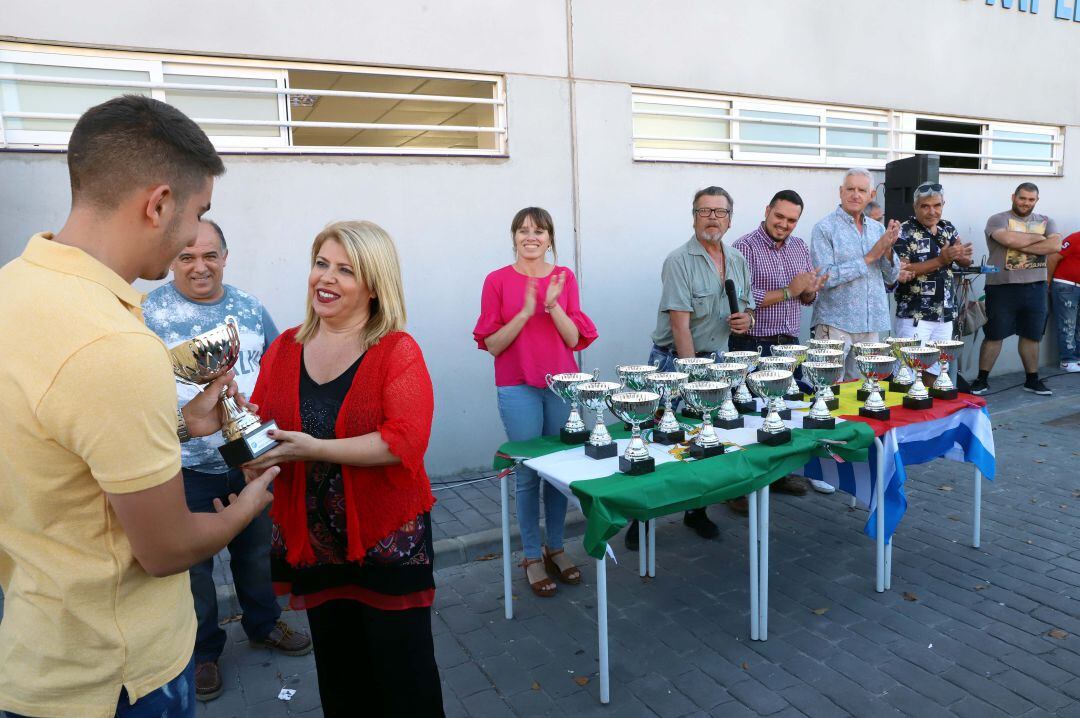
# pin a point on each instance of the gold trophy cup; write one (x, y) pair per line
(198, 362)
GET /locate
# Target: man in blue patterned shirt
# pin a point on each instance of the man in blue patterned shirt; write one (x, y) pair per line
(857, 254)
(196, 301)
(928, 247)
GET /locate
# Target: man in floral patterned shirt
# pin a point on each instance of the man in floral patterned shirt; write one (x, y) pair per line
(928, 248)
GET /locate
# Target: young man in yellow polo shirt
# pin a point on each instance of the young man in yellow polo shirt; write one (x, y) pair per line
(95, 534)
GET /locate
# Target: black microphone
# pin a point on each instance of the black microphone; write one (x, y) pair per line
(733, 303)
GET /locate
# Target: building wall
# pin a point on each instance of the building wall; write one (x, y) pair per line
(451, 217)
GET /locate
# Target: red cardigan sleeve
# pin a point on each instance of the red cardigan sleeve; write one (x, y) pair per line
(408, 404)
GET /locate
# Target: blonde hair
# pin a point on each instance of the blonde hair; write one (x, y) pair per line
(374, 258)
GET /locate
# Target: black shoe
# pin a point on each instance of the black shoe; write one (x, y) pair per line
(979, 387)
(1037, 387)
(630, 540)
(698, 520)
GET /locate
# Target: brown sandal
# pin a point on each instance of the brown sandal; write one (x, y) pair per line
(543, 587)
(571, 574)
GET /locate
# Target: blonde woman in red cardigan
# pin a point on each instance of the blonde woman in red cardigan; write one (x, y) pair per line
(352, 532)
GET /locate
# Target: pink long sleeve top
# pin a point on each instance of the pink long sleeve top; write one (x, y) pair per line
(539, 349)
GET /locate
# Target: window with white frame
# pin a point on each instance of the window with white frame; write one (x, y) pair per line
(685, 126)
(251, 106)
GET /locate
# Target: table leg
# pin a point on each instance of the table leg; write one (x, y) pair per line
(643, 549)
(853, 501)
(602, 627)
(652, 548)
(888, 565)
(879, 497)
(763, 564)
(504, 497)
(976, 519)
(754, 611)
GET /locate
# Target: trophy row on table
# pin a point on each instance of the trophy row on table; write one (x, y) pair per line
(710, 387)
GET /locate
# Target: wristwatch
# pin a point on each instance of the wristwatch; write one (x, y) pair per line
(181, 427)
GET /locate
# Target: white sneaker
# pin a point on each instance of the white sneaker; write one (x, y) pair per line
(1070, 366)
(822, 487)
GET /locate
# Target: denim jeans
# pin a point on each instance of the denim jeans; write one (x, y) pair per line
(528, 412)
(1066, 298)
(175, 699)
(249, 558)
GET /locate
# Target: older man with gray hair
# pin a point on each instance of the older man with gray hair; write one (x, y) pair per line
(856, 252)
(928, 248)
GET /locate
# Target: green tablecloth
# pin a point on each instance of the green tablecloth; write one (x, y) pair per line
(609, 503)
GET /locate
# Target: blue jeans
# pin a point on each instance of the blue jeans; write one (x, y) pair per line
(1066, 299)
(528, 412)
(175, 699)
(249, 556)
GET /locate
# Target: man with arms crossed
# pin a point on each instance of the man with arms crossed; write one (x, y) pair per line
(857, 254)
(196, 300)
(694, 318)
(782, 282)
(1018, 242)
(95, 537)
(928, 247)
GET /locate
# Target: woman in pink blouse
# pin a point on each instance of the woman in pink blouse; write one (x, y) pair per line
(531, 322)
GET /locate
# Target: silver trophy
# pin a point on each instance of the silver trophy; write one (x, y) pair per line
(943, 387)
(706, 397)
(593, 395)
(821, 375)
(865, 349)
(695, 367)
(744, 402)
(668, 384)
(733, 374)
(829, 356)
(779, 405)
(837, 344)
(634, 377)
(874, 368)
(206, 357)
(798, 353)
(902, 379)
(919, 359)
(771, 383)
(565, 386)
(634, 407)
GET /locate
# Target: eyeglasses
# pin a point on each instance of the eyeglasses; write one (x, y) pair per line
(928, 188)
(705, 212)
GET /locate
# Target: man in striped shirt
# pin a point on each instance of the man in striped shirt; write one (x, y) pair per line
(782, 281)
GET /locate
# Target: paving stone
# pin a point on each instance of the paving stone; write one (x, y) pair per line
(988, 690)
(661, 696)
(757, 697)
(701, 689)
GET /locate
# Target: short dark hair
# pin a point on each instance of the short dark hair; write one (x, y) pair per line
(1026, 187)
(541, 218)
(131, 141)
(220, 234)
(713, 191)
(787, 195)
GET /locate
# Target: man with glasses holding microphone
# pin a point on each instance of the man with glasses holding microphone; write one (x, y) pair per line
(694, 317)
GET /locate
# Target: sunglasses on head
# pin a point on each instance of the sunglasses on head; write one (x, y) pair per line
(928, 187)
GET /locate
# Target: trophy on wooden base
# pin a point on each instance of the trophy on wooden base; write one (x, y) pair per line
(593, 396)
(919, 359)
(669, 385)
(565, 386)
(199, 361)
(874, 368)
(634, 407)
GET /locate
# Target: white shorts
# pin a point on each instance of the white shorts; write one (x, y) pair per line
(904, 327)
